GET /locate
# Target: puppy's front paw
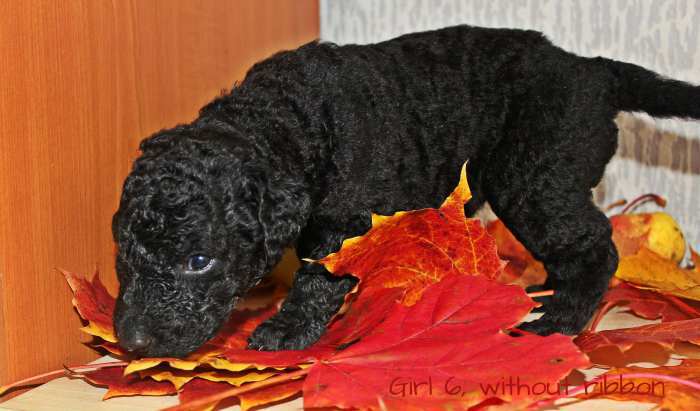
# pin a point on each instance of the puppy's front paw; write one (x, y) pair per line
(280, 333)
(546, 325)
(540, 326)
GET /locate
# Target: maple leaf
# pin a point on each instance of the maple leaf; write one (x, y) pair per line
(649, 270)
(178, 378)
(112, 348)
(198, 388)
(120, 385)
(369, 313)
(664, 334)
(94, 304)
(673, 388)
(657, 231)
(274, 393)
(650, 304)
(457, 330)
(631, 232)
(413, 249)
(522, 268)
(370, 309)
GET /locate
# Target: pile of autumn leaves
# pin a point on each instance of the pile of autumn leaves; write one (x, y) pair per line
(427, 327)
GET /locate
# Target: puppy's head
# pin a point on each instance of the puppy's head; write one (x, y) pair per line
(199, 224)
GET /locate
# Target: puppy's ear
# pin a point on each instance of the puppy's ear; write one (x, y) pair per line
(283, 210)
(275, 204)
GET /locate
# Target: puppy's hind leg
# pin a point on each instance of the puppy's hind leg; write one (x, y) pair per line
(573, 240)
(316, 294)
(541, 188)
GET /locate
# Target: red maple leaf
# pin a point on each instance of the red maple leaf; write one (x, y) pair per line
(453, 337)
(368, 311)
(120, 385)
(664, 334)
(652, 305)
(198, 388)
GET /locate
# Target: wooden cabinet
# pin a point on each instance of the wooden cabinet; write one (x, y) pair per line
(81, 83)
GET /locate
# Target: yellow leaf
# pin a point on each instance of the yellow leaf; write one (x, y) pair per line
(236, 380)
(647, 269)
(413, 249)
(179, 378)
(146, 363)
(185, 365)
(98, 331)
(223, 364)
(461, 194)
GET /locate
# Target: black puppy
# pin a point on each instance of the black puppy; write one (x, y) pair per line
(315, 139)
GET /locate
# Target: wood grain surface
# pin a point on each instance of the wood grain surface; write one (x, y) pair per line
(81, 83)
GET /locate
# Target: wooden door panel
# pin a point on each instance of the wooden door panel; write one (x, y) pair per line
(81, 83)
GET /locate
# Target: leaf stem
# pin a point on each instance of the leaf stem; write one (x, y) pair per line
(683, 306)
(660, 201)
(214, 398)
(57, 373)
(545, 293)
(600, 314)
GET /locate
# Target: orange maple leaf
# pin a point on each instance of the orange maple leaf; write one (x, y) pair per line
(454, 330)
(646, 269)
(413, 249)
(651, 304)
(522, 268)
(665, 334)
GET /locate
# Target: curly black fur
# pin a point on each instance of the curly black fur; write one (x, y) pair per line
(315, 139)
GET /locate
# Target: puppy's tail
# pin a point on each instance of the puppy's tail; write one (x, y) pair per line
(644, 90)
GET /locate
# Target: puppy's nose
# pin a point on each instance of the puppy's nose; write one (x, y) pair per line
(138, 341)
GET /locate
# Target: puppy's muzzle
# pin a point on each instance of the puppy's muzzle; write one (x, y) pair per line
(135, 340)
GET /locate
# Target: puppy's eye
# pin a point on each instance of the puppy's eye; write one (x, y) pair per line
(199, 262)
